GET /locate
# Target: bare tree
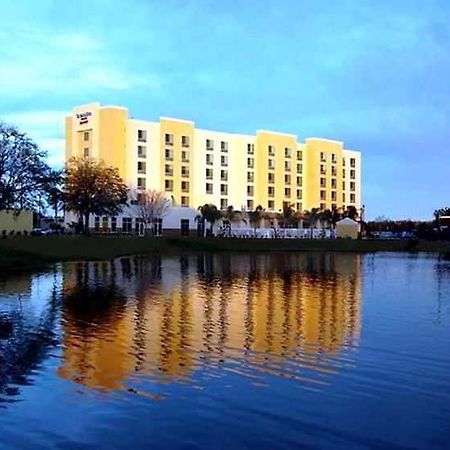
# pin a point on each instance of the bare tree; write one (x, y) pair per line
(152, 205)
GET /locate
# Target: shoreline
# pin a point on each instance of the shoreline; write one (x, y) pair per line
(33, 252)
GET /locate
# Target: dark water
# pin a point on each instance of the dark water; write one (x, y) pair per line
(228, 352)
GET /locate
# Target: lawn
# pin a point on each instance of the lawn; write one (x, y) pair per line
(18, 253)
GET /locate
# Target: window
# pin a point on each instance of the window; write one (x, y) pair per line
(86, 136)
(168, 139)
(209, 188)
(352, 162)
(250, 204)
(323, 182)
(250, 177)
(287, 152)
(168, 170)
(333, 171)
(209, 174)
(137, 225)
(333, 158)
(141, 183)
(224, 146)
(298, 206)
(224, 161)
(271, 150)
(113, 224)
(271, 204)
(352, 174)
(271, 177)
(322, 206)
(352, 186)
(299, 181)
(224, 175)
(333, 196)
(250, 149)
(271, 191)
(142, 151)
(209, 159)
(97, 224)
(250, 191)
(323, 195)
(299, 168)
(343, 173)
(184, 201)
(168, 185)
(209, 144)
(185, 186)
(169, 154)
(343, 162)
(184, 171)
(141, 167)
(343, 185)
(333, 183)
(127, 223)
(299, 194)
(271, 164)
(343, 198)
(185, 156)
(287, 166)
(323, 158)
(184, 227)
(287, 192)
(142, 135)
(352, 198)
(86, 152)
(322, 169)
(250, 163)
(287, 179)
(185, 141)
(223, 203)
(224, 189)
(299, 155)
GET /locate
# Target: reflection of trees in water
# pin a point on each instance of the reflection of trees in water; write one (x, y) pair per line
(25, 342)
(166, 317)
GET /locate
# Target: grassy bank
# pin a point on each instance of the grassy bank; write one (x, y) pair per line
(18, 253)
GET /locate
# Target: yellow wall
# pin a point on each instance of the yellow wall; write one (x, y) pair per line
(177, 128)
(11, 221)
(279, 142)
(112, 138)
(313, 148)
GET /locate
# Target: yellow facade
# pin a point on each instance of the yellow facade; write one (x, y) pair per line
(195, 166)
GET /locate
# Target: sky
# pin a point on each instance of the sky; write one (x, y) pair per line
(374, 74)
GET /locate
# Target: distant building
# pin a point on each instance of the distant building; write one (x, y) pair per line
(12, 220)
(195, 166)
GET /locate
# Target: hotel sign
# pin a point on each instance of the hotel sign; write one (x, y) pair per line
(84, 117)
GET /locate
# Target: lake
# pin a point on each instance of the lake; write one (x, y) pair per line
(228, 351)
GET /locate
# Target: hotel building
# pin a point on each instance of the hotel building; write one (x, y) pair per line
(195, 166)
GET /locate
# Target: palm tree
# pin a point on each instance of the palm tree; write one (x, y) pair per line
(210, 213)
(287, 215)
(254, 217)
(438, 213)
(314, 216)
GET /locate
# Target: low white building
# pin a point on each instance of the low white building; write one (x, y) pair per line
(178, 220)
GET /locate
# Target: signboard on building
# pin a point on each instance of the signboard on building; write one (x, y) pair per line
(84, 117)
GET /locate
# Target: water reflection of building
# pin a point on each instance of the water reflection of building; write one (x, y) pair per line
(166, 318)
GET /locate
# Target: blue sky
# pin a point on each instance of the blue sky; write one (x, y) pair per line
(374, 74)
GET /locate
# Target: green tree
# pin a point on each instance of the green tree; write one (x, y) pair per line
(438, 213)
(24, 174)
(91, 187)
(210, 213)
(351, 212)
